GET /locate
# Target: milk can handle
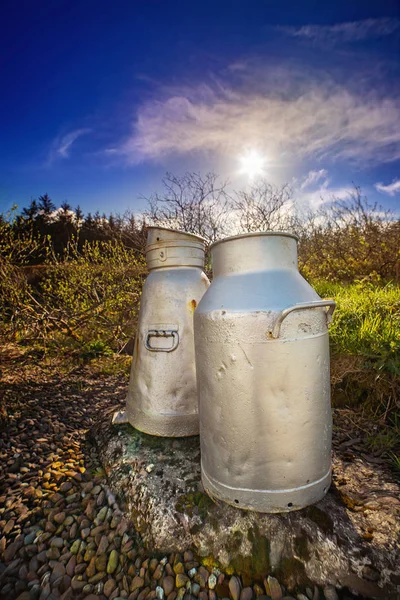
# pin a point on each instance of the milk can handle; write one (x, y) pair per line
(331, 304)
(162, 333)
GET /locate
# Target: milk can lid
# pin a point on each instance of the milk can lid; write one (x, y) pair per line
(255, 234)
(194, 235)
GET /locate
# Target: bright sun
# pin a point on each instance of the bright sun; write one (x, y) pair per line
(252, 164)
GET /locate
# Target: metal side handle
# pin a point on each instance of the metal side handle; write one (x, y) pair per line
(330, 304)
(165, 333)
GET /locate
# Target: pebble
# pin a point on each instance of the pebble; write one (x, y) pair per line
(273, 588)
(181, 580)
(75, 547)
(246, 594)
(109, 587)
(63, 535)
(235, 587)
(112, 562)
(168, 584)
(330, 593)
(160, 592)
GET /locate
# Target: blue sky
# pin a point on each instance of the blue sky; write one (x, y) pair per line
(100, 99)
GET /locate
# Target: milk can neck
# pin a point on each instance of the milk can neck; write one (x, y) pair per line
(254, 252)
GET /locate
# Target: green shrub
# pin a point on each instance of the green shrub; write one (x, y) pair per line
(89, 295)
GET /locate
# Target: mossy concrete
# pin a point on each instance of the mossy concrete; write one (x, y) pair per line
(333, 542)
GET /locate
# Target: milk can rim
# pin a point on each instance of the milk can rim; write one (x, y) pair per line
(194, 235)
(255, 234)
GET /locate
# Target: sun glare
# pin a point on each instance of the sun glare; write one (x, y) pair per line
(252, 164)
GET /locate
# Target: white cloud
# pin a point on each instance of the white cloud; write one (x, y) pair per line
(62, 144)
(314, 199)
(315, 189)
(353, 31)
(392, 189)
(286, 118)
(313, 177)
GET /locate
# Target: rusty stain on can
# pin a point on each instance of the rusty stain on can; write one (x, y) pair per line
(192, 305)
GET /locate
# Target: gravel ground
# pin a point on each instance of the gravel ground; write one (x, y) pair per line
(62, 533)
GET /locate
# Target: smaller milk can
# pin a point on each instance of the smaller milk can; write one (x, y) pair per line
(162, 397)
(262, 359)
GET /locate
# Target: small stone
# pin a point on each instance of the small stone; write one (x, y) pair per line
(98, 577)
(273, 588)
(192, 572)
(65, 487)
(77, 584)
(58, 571)
(8, 526)
(195, 589)
(112, 562)
(91, 569)
(29, 538)
(59, 518)
(101, 515)
(103, 545)
(212, 581)
(75, 547)
(246, 594)
(330, 593)
(109, 587)
(181, 580)
(57, 542)
(158, 572)
(168, 584)
(101, 562)
(160, 592)
(258, 590)
(35, 591)
(71, 564)
(143, 593)
(137, 583)
(52, 553)
(179, 568)
(235, 587)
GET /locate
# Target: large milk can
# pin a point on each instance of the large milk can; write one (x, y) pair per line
(162, 397)
(262, 359)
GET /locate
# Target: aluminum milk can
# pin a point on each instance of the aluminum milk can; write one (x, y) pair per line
(162, 397)
(262, 359)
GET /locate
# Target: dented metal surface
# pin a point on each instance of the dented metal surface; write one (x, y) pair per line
(162, 397)
(262, 359)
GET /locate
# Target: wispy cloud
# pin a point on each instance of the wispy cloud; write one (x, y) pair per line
(353, 31)
(300, 116)
(313, 177)
(62, 145)
(316, 189)
(392, 189)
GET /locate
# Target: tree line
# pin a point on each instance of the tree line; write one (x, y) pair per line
(342, 240)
